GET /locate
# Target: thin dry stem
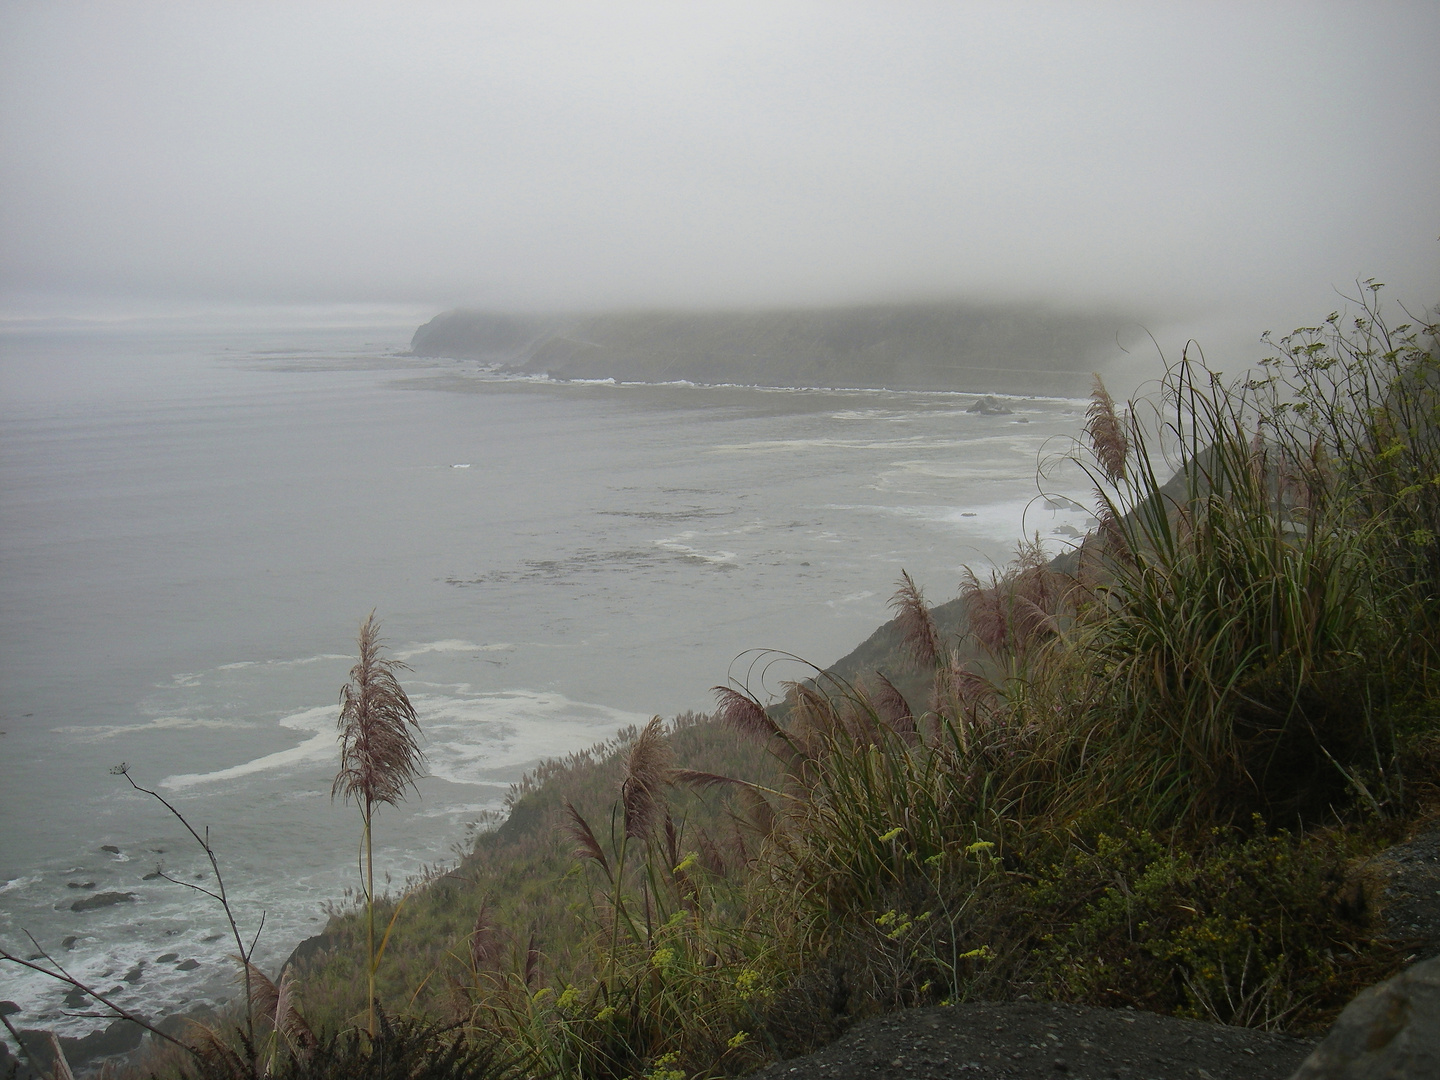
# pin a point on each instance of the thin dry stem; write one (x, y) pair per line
(586, 846)
(484, 948)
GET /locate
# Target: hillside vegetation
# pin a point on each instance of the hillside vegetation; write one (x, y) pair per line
(973, 347)
(1145, 774)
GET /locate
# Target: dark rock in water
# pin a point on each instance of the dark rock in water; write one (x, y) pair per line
(80, 884)
(104, 899)
(1390, 1031)
(111, 848)
(167, 958)
(69, 942)
(135, 974)
(988, 406)
(8, 1008)
(7, 1062)
(156, 873)
(187, 965)
(76, 998)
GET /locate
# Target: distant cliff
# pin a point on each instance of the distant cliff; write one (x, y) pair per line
(972, 347)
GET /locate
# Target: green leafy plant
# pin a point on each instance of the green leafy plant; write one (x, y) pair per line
(1262, 930)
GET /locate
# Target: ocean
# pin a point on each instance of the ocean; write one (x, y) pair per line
(193, 525)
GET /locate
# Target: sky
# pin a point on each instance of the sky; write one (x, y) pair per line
(1181, 158)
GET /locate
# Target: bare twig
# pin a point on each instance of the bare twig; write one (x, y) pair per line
(221, 896)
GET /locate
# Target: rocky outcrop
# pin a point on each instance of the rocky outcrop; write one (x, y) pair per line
(988, 405)
(1389, 1032)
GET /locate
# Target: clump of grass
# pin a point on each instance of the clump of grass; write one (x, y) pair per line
(662, 985)
(398, 1047)
(1234, 641)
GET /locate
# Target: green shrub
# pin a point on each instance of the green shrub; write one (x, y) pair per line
(1262, 930)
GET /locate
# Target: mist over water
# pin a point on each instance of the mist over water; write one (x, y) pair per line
(186, 552)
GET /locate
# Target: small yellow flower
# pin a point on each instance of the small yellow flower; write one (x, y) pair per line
(978, 846)
(885, 838)
(663, 958)
(689, 861)
(542, 994)
(567, 999)
(739, 1039)
(607, 1013)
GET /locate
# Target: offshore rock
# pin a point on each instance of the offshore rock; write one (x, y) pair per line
(1389, 1032)
(104, 899)
(988, 406)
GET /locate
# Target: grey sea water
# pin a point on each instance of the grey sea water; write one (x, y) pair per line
(193, 525)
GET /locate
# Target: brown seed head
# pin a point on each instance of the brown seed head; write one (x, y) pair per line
(1106, 432)
(744, 714)
(916, 624)
(646, 771)
(892, 707)
(379, 754)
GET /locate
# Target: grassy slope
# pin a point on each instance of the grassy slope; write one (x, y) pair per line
(519, 884)
(1073, 821)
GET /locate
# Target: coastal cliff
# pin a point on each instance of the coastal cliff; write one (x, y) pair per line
(970, 347)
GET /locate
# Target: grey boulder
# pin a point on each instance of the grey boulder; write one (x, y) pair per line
(1389, 1032)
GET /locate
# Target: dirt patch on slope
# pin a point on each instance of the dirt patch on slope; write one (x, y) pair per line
(1035, 1041)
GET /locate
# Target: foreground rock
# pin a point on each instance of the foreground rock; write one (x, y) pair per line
(1389, 1032)
(84, 1055)
(1033, 1041)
